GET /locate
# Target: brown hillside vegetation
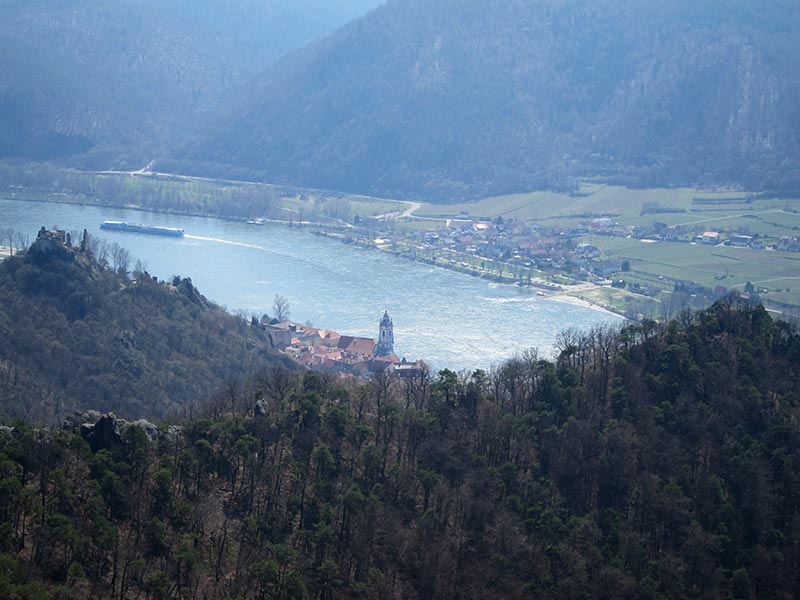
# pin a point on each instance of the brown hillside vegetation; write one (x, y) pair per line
(86, 327)
(659, 461)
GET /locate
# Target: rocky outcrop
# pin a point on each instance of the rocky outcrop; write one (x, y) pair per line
(105, 434)
(105, 431)
(6, 433)
(261, 408)
(150, 429)
(185, 287)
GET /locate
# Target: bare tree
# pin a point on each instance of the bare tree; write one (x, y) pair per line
(417, 389)
(22, 241)
(7, 239)
(98, 249)
(280, 382)
(140, 271)
(672, 303)
(281, 308)
(120, 259)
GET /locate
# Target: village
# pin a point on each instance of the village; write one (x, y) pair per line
(513, 247)
(556, 259)
(328, 351)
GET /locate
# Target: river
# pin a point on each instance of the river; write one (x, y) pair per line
(449, 319)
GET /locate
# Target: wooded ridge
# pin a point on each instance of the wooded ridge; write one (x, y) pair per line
(450, 100)
(86, 326)
(659, 461)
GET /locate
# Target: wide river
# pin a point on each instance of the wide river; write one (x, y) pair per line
(449, 319)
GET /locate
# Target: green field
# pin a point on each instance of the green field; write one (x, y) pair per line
(662, 263)
(619, 301)
(723, 209)
(592, 199)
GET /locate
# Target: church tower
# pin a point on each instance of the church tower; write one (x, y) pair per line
(385, 344)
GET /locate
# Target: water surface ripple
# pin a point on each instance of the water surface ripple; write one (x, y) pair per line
(449, 319)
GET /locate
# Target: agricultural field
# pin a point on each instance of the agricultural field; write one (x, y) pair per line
(619, 301)
(660, 264)
(683, 206)
(657, 265)
(592, 199)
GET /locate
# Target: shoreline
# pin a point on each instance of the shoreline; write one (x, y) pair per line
(561, 296)
(565, 297)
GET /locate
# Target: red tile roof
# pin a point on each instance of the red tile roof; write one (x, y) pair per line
(356, 344)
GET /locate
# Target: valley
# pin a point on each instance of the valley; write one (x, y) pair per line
(533, 240)
(461, 299)
(446, 318)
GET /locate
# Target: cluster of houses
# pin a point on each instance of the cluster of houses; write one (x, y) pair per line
(788, 244)
(523, 244)
(520, 243)
(327, 351)
(515, 248)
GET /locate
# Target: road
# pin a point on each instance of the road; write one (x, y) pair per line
(408, 213)
(739, 216)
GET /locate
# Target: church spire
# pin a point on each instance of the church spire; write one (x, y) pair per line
(385, 344)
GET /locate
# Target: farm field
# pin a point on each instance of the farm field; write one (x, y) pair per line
(633, 207)
(591, 199)
(659, 264)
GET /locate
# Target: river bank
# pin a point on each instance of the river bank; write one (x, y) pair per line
(451, 321)
(349, 234)
(572, 294)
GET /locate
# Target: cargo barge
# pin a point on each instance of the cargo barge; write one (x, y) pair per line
(137, 228)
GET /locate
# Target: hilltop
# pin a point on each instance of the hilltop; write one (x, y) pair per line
(440, 101)
(449, 100)
(83, 327)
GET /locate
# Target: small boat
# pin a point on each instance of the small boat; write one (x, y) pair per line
(138, 228)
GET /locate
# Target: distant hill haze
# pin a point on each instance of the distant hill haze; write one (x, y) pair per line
(457, 98)
(439, 100)
(113, 83)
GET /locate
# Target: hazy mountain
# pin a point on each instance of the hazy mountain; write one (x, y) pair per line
(122, 78)
(461, 98)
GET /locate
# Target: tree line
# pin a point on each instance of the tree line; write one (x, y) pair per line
(652, 461)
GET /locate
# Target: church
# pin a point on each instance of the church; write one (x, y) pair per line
(385, 345)
(386, 359)
(326, 350)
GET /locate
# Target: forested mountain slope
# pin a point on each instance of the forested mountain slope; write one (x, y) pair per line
(116, 81)
(454, 99)
(655, 462)
(78, 332)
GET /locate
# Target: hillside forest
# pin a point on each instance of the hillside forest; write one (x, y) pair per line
(415, 99)
(85, 325)
(656, 461)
